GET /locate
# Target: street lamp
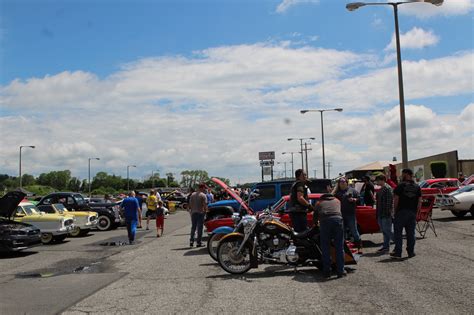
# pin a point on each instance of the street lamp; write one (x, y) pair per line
(301, 146)
(96, 158)
(23, 146)
(304, 111)
(292, 161)
(356, 5)
(128, 176)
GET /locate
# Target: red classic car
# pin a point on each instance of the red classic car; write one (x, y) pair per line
(437, 186)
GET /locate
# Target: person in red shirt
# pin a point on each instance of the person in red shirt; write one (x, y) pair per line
(160, 218)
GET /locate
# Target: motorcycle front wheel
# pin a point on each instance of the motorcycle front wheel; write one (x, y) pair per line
(229, 258)
(212, 244)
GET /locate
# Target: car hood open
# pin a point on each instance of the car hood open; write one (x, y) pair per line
(233, 194)
(10, 202)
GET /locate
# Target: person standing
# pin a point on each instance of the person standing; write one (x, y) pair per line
(198, 209)
(160, 218)
(407, 203)
(328, 211)
(210, 196)
(299, 202)
(384, 211)
(151, 205)
(368, 192)
(348, 197)
(131, 208)
(140, 203)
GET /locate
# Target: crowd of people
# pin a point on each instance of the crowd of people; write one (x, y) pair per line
(396, 209)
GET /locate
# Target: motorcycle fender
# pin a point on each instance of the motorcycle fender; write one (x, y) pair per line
(223, 230)
(253, 252)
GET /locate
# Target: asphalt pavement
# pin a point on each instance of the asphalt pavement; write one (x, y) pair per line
(164, 276)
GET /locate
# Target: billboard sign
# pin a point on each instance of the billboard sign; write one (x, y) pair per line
(262, 156)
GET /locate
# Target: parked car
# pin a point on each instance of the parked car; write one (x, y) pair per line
(108, 213)
(437, 186)
(15, 236)
(270, 192)
(84, 220)
(177, 197)
(53, 227)
(222, 216)
(459, 202)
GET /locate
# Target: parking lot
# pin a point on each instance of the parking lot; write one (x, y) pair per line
(165, 276)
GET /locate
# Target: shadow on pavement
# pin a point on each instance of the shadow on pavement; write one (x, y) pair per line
(391, 260)
(9, 255)
(209, 264)
(195, 252)
(451, 219)
(369, 244)
(182, 248)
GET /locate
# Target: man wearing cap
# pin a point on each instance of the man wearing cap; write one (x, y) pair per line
(407, 202)
(198, 209)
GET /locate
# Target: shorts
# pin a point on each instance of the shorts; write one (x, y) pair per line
(151, 214)
(160, 221)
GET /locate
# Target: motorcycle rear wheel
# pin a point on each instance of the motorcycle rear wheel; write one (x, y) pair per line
(230, 260)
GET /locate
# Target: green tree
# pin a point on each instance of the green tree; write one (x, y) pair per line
(27, 180)
(74, 184)
(191, 178)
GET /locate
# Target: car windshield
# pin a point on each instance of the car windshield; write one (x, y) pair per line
(31, 210)
(79, 199)
(464, 190)
(60, 207)
(424, 184)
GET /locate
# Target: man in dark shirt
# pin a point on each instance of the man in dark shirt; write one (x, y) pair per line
(407, 202)
(299, 202)
(348, 197)
(368, 191)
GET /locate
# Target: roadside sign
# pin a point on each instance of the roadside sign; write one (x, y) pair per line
(267, 170)
(270, 155)
(267, 163)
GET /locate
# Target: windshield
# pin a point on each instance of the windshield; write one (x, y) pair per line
(463, 190)
(79, 199)
(423, 184)
(60, 207)
(31, 210)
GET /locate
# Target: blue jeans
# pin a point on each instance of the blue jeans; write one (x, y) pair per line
(386, 229)
(351, 223)
(299, 221)
(131, 229)
(404, 219)
(197, 222)
(332, 229)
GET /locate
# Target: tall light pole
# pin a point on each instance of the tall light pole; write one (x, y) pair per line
(128, 176)
(306, 155)
(301, 148)
(403, 128)
(21, 147)
(292, 162)
(304, 111)
(95, 158)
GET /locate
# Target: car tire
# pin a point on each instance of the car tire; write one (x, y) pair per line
(76, 232)
(459, 214)
(47, 238)
(104, 223)
(59, 238)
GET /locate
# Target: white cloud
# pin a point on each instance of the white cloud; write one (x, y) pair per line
(449, 8)
(286, 4)
(416, 38)
(217, 109)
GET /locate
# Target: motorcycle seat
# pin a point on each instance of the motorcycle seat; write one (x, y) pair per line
(306, 234)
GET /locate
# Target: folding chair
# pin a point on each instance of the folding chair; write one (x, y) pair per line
(423, 217)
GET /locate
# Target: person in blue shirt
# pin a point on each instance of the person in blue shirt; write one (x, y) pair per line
(131, 209)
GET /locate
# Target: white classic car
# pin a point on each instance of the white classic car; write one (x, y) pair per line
(52, 226)
(459, 202)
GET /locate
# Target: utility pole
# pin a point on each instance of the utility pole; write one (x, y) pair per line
(306, 155)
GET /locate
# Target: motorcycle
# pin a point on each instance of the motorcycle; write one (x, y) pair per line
(264, 239)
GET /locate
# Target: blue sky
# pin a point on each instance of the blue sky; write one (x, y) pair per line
(105, 39)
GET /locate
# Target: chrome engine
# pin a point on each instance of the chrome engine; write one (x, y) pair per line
(278, 248)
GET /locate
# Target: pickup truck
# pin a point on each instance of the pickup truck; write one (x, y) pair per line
(108, 213)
